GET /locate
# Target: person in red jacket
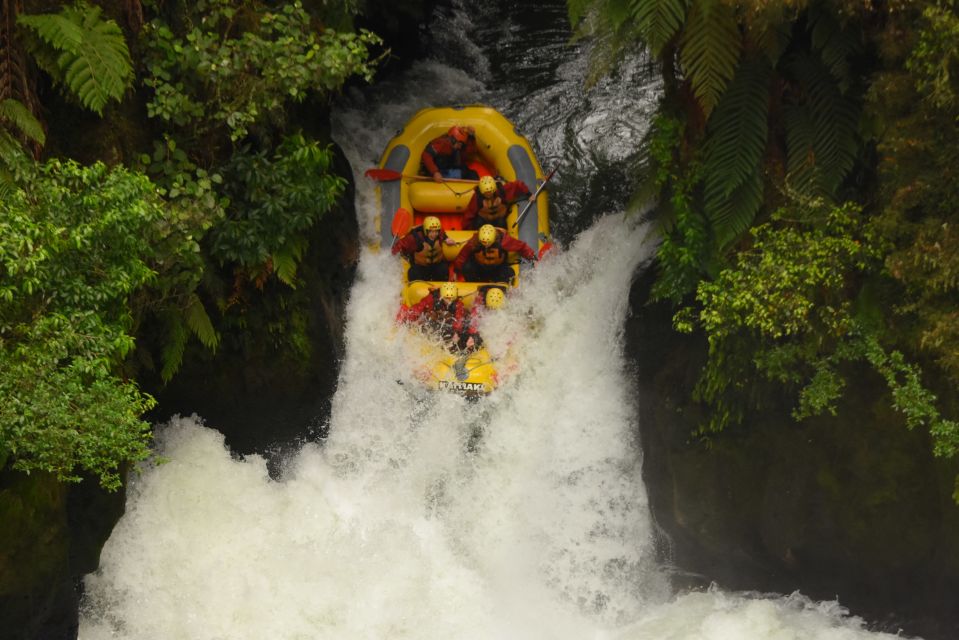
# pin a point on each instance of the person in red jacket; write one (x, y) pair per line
(443, 314)
(448, 155)
(423, 248)
(491, 202)
(483, 257)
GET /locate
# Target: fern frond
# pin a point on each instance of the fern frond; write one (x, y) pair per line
(736, 212)
(770, 31)
(833, 122)
(710, 50)
(92, 61)
(836, 45)
(15, 113)
(199, 322)
(284, 265)
(174, 346)
(735, 143)
(286, 260)
(659, 20)
(801, 173)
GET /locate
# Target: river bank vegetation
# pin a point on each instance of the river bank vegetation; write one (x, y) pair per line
(108, 270)
(803, 158)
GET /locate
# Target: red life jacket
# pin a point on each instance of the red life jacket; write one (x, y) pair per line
(492, 210)
(427, 252)
(492, 255)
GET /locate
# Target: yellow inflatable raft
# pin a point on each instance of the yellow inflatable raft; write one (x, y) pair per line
(403, 185)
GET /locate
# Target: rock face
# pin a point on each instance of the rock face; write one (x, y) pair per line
(853, 507)
(50, 534)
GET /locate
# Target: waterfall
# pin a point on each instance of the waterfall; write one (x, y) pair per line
(423, 515)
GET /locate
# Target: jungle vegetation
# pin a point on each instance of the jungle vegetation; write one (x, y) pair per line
(109, 271)
(804, 162)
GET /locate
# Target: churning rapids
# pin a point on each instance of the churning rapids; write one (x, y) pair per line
(402, 523)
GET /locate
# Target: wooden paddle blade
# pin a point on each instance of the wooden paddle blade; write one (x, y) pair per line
(402, 221)
(382, 175)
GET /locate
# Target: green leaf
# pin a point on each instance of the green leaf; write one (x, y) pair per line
(822, 130)
(284, 263)
(659, 20)
(710, 50)
(200, 324)
(734, 148)
(14, 112)
(174, 346)
(92, 54)
(836, 46)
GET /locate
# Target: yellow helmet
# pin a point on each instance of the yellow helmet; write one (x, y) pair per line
(487, 235)
(487, 185)
(495, 298)
(432, 223)
(448, 291)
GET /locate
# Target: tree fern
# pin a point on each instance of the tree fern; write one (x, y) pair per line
(770, 30)
(199, 322)
(710, 49)
(85, 53)
(800, 150)
(835, 45)
(14, 114)
(174, 346)
(286, 260)
(659, 20)
(735, 143)
(822, 142)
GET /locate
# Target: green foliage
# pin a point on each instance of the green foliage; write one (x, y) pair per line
(659, 20)
(274, 201)
(225, 75)
(734, 148)
(936, 57)
(63, 409)
(798, 298)
(78, 246)
(217, 77)
(915, 102)
(686, 238)
(822, 128)
(16, 116)
(787, 298)
(84, 53)
(711, 44)
(192, 188)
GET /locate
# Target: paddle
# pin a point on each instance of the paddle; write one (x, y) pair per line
(532, 199)
(388, 175)
(402, 221)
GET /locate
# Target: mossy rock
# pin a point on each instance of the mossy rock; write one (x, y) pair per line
(35, 577)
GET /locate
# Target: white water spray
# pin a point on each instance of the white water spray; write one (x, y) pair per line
(396, 528)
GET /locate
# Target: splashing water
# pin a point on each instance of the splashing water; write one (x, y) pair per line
(405, 524)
